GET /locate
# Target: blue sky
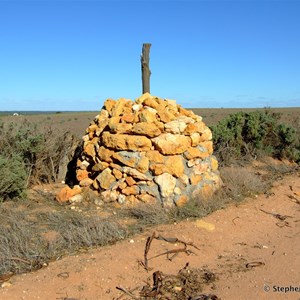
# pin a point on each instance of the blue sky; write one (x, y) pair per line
(72, 55)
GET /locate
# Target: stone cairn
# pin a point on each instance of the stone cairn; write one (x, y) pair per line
(151, 150)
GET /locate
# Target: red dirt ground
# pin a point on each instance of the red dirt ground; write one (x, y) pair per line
(249, 250)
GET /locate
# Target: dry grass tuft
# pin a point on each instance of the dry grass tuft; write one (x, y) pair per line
(24, 239)
(77, 230)
(146, 215)
(242, 182)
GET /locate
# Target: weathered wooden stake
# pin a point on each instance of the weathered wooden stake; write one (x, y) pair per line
(145, 57)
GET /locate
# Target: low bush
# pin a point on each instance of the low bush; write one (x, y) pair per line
(13, 177)
(247, 135)
(33, 153)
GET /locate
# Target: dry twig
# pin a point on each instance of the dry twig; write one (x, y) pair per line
(174, 251)
(129, 293)
(277, 216)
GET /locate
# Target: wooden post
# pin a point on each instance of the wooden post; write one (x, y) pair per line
(145, 57)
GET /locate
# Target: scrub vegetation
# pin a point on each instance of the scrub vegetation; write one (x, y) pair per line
(36, 230)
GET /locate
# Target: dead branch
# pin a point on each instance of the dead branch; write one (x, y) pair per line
(174, 251)
(175, 240)
(294, 198)
(127, 292)
(147, 248)
(277, 216)
(254, 264)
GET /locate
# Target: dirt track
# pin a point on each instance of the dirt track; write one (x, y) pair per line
(249, 250)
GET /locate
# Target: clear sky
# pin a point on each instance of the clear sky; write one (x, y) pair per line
(72, 55)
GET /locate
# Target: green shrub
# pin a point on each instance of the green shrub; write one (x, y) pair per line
(243, 135)
(13, 177)
(41, 150)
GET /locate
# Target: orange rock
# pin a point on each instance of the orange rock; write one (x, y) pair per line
(128, 118)
(89, 149)
(130, 190)
(146, 198)
(82, 174)
(155, 156)
(119, 107)
(161, 103)
(96, 185)
(150, 102)
(78, 163)
(214, 163)
(103, 115)
(100, 166)
(101, 126)
(166, 116)
(126, 142)
(118, 174)
(143, 164)
(194, 127)
(185, 112)
(109, 104)
(192, 152)
(130, 181)
(122, 185)
(158, 169)
(147, 116)
(160, 125)
(115, 166)
(206, 135)
(168, 143)
(105, 154)
(86, 182)
(105, 179)
(143, 97)
(175, 166)
(113, 121)
(195, 137)
(148, 129)
(127, 109)
(66, 193)
(172, 105)
(136, 117)
(92, 128)
(121, 128)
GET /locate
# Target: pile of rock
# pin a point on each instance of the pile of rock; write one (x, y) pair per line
(150, 150)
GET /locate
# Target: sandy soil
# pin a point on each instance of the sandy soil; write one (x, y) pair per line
(251, 251)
